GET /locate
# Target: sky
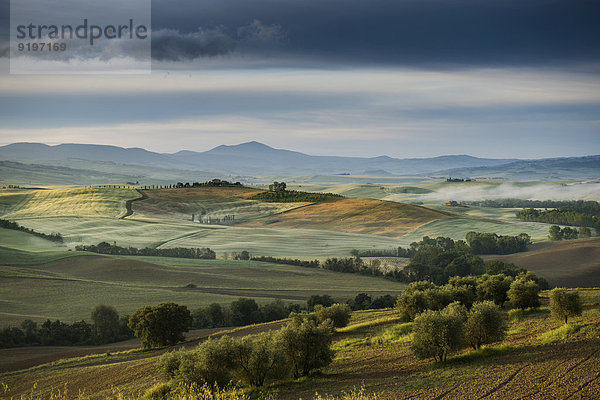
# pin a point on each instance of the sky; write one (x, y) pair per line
(403, 78)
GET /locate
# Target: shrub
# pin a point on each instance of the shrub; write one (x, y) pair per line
(485, 324)
(338, 314)
(564, 304)
(437, 333)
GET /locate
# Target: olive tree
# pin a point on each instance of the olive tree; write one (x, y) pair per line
(437, 333)
(565, 304)
(485, 324)
(258, 359)
(523, 293)
(306, 344)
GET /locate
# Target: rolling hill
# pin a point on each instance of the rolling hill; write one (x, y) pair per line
(354, 215)
(571, 263)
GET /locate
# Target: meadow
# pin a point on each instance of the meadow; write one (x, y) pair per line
(56, 283)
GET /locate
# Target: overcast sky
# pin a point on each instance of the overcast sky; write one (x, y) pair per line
(345, 77)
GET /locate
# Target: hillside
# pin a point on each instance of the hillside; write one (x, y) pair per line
(80, 202)
(553, 169)
(539, 359)
(364, 216)
(572, 263)
(31, 279)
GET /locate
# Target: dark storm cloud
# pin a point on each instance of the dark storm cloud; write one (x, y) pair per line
(409, 32)
(174, 45)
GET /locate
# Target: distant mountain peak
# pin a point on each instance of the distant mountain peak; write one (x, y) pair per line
(254, 145)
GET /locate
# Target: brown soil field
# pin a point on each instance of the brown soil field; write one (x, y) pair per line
(354, 215)
(569, 263)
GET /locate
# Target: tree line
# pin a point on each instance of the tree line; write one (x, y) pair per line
(480, 243)
(583, 206)
(212, 183)
(433, 259)
(180, 252)
(106, 327)
(288, 261)
(491, 243)
(246, 311)
(7, 224)
(557, 233)
(560, 216)
(292, 196)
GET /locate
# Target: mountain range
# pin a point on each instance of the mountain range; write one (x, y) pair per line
(257, 159)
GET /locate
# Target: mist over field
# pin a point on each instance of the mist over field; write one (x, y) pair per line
(533, 191)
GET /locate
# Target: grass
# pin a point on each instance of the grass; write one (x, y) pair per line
(137, 233)
(282, 242)
(559, 334)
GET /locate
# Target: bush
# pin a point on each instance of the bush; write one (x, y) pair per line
(160, 325)
(523, 293)
(564, 304)
(437, 333)
(338, 314)
(306, 344)
(485, 324)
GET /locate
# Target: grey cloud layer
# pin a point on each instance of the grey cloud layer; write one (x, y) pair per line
(406, 32)
(377, 32)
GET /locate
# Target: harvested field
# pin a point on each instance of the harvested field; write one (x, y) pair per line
(570, 263)
(364, 216)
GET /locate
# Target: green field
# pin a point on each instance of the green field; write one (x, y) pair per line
(59, 284)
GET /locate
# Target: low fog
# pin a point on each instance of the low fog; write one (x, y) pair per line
(540, 191)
